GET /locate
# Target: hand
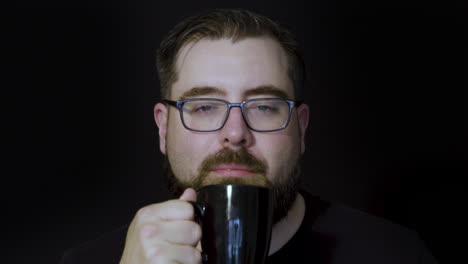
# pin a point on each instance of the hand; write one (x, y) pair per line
(164, 233)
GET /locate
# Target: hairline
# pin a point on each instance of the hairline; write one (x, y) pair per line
(234, 39)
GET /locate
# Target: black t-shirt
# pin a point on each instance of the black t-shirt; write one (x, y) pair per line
(329, 233)
(334, 233)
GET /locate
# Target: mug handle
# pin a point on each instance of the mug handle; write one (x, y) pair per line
(199, 211)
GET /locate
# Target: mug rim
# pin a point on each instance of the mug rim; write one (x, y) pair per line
(237, 186)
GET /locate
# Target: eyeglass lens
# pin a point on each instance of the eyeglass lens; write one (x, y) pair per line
(206, 115)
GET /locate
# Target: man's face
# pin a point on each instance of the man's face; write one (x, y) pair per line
(248, 69)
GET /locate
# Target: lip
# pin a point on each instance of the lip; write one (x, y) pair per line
(233, 170)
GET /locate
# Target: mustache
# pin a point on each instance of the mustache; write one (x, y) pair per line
(228, 156)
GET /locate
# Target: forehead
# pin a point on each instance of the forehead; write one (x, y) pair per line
(234, 68)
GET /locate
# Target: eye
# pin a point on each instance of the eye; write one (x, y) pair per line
(203, 108)
(265, 108)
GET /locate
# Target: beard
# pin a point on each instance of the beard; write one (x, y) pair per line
(284, 188)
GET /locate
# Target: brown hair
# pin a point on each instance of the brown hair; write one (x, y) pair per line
(235, 24)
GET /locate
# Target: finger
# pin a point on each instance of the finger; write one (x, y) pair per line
(173, 232)
(166, 253)
(166, 211)
(189, 195)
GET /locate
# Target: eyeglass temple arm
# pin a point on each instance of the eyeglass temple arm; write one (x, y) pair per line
(298, 103)
(169, 102)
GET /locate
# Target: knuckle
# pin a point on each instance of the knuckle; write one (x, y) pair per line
(153, 252)
(142, 214)
(148, 231)
(176, 209)
(196, 232)
(195, 255)
(187, 209)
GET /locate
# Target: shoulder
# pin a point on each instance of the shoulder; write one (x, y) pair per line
(351, 233)
(107, 248)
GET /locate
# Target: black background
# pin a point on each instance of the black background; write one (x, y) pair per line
(386, 135)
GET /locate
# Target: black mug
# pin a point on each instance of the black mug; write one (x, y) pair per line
(236, 222)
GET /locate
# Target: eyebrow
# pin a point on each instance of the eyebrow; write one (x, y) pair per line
(210, 90)
(199, 91)
(267, 90)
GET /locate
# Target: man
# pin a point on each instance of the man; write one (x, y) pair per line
(231, 82)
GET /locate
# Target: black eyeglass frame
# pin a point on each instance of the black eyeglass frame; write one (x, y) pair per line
(179, 105)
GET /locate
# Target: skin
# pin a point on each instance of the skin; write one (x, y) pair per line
(233, 72)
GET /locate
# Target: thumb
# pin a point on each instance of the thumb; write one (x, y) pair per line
(189, 195)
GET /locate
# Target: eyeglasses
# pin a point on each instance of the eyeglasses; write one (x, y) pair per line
(261, 115)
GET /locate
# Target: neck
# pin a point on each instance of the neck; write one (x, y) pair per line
(285, 229)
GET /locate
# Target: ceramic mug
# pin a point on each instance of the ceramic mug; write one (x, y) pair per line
(236, 222)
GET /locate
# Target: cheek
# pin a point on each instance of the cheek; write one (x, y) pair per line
(281, 151)
(186, 149)
(178, 147)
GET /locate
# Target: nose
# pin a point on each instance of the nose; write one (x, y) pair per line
(236, 134)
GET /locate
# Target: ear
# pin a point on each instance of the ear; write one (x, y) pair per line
(160, 116)
(303, 115)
